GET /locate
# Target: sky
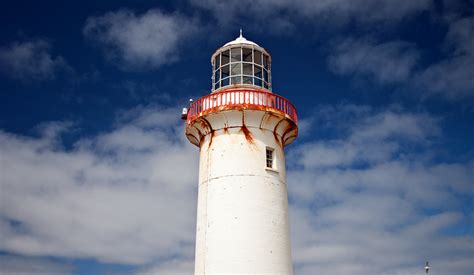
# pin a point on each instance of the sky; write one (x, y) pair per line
(97, 177)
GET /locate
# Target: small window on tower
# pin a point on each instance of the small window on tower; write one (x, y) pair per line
(269, 157)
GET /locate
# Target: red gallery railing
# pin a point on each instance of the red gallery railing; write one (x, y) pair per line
(241, 98)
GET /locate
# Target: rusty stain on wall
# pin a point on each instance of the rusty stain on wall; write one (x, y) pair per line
(211, 135)
(245, 130)
(248, 135)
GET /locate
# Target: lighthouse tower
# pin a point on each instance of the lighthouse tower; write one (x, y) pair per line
(241, 128)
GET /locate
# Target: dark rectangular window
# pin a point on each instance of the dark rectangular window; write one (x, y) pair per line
(269, 153)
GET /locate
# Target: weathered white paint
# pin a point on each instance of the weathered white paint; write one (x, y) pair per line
(242, 216)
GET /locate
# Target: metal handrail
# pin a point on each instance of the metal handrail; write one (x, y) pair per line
(244, 98)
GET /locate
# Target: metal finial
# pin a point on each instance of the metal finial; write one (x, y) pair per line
(240, 32)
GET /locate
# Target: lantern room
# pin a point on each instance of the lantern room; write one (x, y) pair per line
(241, 62)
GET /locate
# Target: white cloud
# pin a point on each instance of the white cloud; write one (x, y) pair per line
(363, 10)
(10, 264)
(453, 76)
(139, 41)
(30, 60)
(370, 137)
(283, 14)
(171, 267)
(385, 62)
(125, 196)
(361, 202)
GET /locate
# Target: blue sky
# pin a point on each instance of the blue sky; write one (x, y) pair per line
(98, 178)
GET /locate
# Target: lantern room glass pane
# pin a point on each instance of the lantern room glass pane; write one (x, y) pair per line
(217, 61)
(247, 80)
(217, 76)
(225, 57)
(236, 55)
(247, 69)
(247, 55)
(257, 71)
(225, 71)
(236, 69)
(265, 61)
(217, 86)
(257, 82)
(225, 82)
(265, 75)
(235, 80)
(257, 57)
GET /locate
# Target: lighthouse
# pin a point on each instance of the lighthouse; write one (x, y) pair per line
(241, 129)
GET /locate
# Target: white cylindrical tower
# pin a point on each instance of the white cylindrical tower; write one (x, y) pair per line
(241, 129)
